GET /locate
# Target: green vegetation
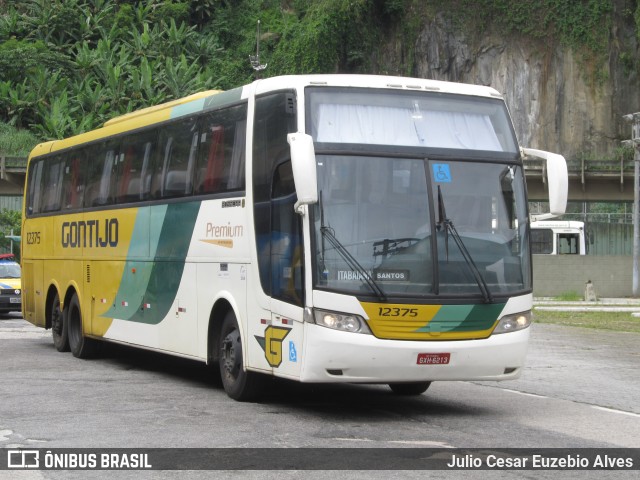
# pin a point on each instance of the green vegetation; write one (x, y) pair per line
(614, 321)
(14, 142)
(10, 221)
(577, 24)
(68, 65)
(570, 296)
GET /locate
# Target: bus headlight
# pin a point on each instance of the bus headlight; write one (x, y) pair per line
(340, 321)
(513, 323)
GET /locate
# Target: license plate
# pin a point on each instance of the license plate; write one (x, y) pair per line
(14, 300)
(433, 358)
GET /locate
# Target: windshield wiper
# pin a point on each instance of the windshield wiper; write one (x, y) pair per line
(352, 262)
(327, 233)
(446, 224)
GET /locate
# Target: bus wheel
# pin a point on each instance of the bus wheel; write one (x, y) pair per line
(412, 388)
(58, 326)
(239, 384)
(81, 346)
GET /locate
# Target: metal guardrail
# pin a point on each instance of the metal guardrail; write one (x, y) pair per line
(581, 167)
(583, 171)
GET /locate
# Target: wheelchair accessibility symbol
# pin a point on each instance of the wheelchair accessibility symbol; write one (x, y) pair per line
(441, 172)
(293, 353)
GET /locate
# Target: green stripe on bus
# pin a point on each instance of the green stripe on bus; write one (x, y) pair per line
(223, 98)
(156, 283)
(214, 101)
(463, 318)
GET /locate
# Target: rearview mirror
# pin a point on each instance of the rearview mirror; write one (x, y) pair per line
(303, 164)
(557, 179)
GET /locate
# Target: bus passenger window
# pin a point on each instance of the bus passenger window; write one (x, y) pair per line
(134, 173)
(72, 182)
(222, 152)
(568, 244)
(35, 187)
(541, 241)
(178, 149)
(101, 168)
(52, 185)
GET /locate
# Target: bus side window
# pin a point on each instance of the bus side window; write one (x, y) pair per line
(102, 160)
(541, 241)
(73, 183)
(568, 243)
(35, 189)
(178, 150)
(134, 172)
(52, 185)
(222, 151)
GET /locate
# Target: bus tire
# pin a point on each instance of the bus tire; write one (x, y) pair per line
(58, 326)
(238, 383)
(409, 388)
(81, 346)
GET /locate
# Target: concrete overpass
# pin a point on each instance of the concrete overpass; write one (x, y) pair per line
(12, 174)
(589, 180)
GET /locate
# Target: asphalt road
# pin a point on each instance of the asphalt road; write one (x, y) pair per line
(578, 391)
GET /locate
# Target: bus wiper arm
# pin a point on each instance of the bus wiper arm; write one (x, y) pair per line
(448, 226)
(352, 262)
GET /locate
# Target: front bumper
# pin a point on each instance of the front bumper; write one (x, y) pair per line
(334, 356)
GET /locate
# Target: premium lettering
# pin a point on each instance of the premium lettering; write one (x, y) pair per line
(230, 231)
(90, 233)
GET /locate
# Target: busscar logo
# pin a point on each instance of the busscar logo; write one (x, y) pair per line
(23, 459)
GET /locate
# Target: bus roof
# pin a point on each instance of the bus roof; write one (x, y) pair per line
(557, 224)
(197, 101)
(129, 121)
(375, 81)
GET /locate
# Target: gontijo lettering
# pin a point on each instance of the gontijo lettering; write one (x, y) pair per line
(90, 233)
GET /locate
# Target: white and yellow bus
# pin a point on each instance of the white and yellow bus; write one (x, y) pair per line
(325, 228)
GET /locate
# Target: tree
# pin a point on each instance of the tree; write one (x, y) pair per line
(10, 224)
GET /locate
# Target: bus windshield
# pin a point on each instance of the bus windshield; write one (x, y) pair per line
(428, 224)
(380, 210)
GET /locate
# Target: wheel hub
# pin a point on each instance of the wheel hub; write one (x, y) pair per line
(229, 354)
(56, 321)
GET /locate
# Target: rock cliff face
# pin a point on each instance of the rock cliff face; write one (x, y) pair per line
(558, 101)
